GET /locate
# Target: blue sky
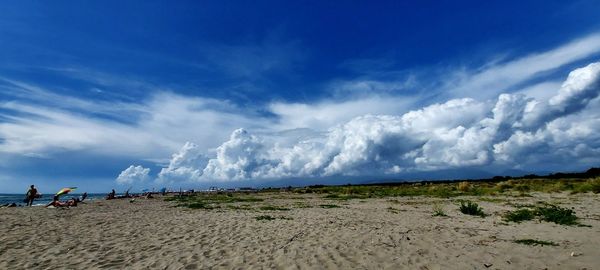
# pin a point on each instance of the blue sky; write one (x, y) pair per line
(108, 94)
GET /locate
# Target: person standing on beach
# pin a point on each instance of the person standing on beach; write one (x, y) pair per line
(31, 194)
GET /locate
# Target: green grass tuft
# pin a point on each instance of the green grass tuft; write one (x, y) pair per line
(273, 208)
(471, 208)
(265, 217)
(533, 242)
(546, 212)
(438, 210)
(199, 206)
(519, 215)
(210, 200)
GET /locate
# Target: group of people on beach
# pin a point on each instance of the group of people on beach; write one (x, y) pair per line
(113, 195)
(33, 194)
(70, 202)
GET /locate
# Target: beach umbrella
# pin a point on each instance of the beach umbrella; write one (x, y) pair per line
(65, 190)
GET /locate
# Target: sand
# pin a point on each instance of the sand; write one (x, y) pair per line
(360, 234)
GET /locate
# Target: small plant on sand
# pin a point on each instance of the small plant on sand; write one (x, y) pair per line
(329, 206)
(519, 215)
(265, 217)
(546, 212)
(198, 205)
(273, 208)
(301, 205)
(438, 210)
(492, 200)
(533, 242)
(471, 208)
(557, 214)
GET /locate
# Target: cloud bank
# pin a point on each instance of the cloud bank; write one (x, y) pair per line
(513, 131)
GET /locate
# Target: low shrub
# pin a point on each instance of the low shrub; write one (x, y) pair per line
(558, 215)
(519, 215)
(273, 208)
(438, 210)
(547, 212)
(471, 208)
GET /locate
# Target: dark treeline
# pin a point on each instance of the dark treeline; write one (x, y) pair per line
(592, 172)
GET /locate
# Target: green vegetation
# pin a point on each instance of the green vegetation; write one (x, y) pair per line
(533, 242)
(591, 185)
(438, 210)
(210, 201)
(512, 187)
(492, 200)
(344, 197)
(199, 205)
(269, 218)
(558, 215)
(471, 208)
(546, 212)
(273, 208)
(487, 189)
(301, 205)
(265, 217)
(240, 207)
(329, 206)
(519, 215)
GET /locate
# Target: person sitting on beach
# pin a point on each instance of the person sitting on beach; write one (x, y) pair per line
(31, 195)
(56, 203)
(111, 195)
(77, 199)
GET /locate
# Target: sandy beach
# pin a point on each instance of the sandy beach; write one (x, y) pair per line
(381, 233)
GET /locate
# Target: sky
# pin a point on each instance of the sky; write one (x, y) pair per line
(193, 94)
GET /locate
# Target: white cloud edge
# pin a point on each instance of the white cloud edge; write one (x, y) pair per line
(457, 133)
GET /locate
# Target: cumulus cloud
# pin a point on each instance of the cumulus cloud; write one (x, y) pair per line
(132, 175)
(512, 130)
(185, 165)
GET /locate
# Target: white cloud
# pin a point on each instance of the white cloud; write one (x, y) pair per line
(185, 165)
(150, 129)
(498, 78)
(323, 115)
(133, 175)
(370, 133)
(512, 131)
